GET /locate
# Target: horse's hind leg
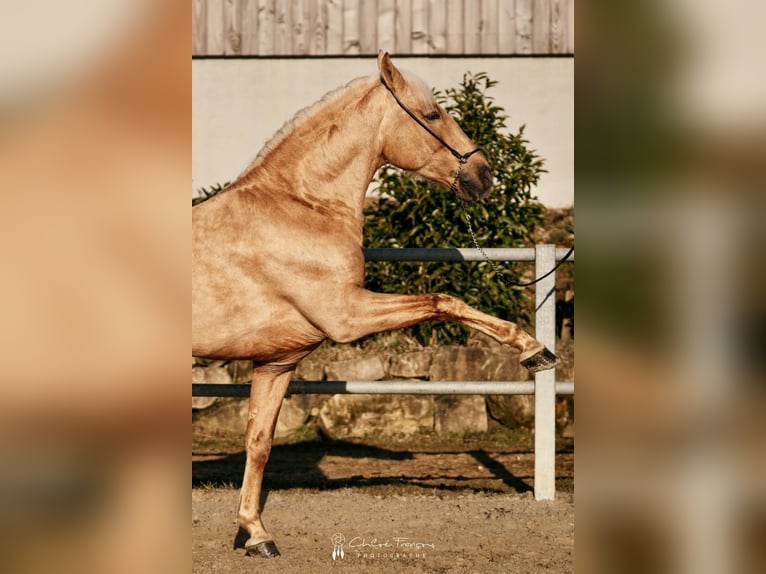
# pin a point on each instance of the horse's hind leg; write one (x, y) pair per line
(361, 312)
(269, 385)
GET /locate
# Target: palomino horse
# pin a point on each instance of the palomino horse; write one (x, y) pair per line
(278, 263)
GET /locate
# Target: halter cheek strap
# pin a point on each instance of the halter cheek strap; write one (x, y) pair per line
(461, 158)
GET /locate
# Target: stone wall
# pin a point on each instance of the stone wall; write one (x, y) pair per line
(351, 416)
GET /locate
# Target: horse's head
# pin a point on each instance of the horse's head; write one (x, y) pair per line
(419, 136)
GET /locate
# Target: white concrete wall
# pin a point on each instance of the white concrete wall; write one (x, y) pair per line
(239, 104)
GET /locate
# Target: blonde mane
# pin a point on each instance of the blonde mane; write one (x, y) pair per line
(300, 117)
(419, 87)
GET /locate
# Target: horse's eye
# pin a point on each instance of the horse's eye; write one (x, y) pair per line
(432, 116)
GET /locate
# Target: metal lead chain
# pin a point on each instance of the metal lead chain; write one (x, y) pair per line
(453, 189)
(498, 273)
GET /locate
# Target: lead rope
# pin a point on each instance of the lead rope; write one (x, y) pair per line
(499, 274)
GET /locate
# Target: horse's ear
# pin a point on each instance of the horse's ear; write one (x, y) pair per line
(389, 75)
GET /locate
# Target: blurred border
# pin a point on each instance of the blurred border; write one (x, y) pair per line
(95, 152)
(670, 139)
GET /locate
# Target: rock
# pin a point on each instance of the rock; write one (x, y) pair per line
(498, 366)
(369, 368)
(460, 414)
(412, 365)
(513, 411)
(240, 371)
(468, 414)
(474, 364)
(310, 369)
(457, 364)
(211, 374)
(293, 414)
(565, 416)
(344, 416)
(229, 416)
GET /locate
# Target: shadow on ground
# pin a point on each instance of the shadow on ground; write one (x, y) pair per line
(305, 465)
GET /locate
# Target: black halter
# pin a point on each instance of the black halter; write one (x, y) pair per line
(461, 158)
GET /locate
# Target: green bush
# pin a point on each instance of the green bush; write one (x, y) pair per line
(204, 193)
(412, 212)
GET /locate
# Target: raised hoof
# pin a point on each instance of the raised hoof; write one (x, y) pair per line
(267, 549)
(540, 361)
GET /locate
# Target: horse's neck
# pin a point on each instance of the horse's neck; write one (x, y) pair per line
(329, 155)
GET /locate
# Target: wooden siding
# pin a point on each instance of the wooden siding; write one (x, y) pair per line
(353, 27)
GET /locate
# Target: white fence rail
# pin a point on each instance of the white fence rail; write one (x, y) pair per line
(390, 387)
(545, 388)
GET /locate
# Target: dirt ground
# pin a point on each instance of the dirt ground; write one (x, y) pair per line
(466, 532)
(417, 504)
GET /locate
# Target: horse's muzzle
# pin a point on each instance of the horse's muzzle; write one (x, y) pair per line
(476, 185)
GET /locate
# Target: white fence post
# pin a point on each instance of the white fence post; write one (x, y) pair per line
(545, 381)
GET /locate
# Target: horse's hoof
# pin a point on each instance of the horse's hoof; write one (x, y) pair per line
(267, 549)
(540, 361)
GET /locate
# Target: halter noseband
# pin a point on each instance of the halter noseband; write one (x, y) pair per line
(461, 158)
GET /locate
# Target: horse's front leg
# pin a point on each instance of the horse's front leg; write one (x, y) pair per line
(361, 312)
(269, 385)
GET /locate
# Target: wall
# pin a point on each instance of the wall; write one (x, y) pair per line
(238, 104)
(353, 27)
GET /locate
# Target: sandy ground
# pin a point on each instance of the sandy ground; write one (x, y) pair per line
(457, 532)
(457, 506)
